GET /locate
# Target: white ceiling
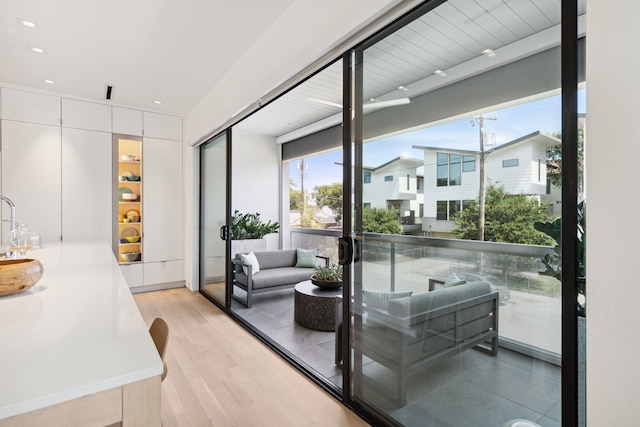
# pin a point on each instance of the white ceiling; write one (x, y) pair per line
(148, 50)
(177, 51)
(451, 38)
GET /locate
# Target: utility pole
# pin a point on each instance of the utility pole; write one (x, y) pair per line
(480, 120)
(302, 166)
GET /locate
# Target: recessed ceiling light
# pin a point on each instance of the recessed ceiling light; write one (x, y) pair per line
(372, 100)
(440, 73)
(489, 52)
(157, 102)
(404, 88)
(37, 49)
(25, 23)
(49, 82)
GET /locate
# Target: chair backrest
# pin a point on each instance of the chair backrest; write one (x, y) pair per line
(159, 332)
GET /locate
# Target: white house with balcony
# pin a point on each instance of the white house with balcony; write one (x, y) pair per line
(396, 184)
(452, 177)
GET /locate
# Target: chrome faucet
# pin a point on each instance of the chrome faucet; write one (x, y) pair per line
(9, 252)
(13, 212)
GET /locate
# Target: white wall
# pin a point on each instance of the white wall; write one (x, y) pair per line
(514, 179)
(255, 178)
(613, 284)
(299, 37)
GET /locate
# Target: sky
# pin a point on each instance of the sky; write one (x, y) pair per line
(542, 115)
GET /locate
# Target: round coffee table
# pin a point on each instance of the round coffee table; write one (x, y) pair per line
(314, 307)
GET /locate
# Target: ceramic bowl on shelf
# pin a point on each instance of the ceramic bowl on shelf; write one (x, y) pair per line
(133, 178)
(132, 239)
(130, 256)
(129, 197)
(133, 215)
(128, 158)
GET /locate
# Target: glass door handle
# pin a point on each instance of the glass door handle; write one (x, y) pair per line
(224, 232)
(345, 250)
(356, 250)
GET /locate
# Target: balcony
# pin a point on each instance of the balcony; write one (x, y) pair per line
(522, 381)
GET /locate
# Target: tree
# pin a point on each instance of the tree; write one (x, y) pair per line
(379, 220)
(294, 197)
(329, 196)
(554, 161)
(509, 218)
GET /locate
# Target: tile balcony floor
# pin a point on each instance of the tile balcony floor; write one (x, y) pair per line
(470, 389)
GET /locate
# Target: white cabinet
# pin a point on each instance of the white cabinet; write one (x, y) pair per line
(162, 272)
(127, 121)
(31, 176)
(162, 126)
(133, 274)
(163, 200)
(86, 115)
(30, 107)
(86, 185)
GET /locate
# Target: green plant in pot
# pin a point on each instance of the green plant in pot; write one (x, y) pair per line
(250, 226)
(327, 276)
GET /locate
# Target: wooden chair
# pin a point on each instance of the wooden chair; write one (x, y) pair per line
(159, 331)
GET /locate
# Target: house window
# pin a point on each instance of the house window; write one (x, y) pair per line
(443, 170)
(455, 170)
(419, 181)
(421, 210)
(441, 210)
(454, 207)
(510, 163)
(366, 205)
(449, 169)
(408, 177)
(367, 177)
(388, 178)
(468, 163)
(467, 204)
(539, 170)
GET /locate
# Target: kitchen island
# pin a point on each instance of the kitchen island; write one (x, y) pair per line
(74, 349)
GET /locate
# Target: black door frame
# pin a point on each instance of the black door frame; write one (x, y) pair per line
(569, 82)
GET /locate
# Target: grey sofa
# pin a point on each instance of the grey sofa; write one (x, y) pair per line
(418, 331)
(277, 271)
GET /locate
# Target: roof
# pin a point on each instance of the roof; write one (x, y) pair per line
(537, 137)
(416, 162)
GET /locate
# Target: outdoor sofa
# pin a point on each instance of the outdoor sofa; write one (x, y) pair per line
(412, 333)
(267, 271)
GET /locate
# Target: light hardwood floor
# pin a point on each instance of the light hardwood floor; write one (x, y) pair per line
(221, 375)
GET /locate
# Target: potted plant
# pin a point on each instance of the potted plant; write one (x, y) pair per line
(248, 231)
(327, 276)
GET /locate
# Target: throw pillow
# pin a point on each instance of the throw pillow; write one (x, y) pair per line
(379, 300)
(306, 258)
(250, 258)
(453, 280)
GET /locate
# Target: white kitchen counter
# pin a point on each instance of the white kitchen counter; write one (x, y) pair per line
(75, 333)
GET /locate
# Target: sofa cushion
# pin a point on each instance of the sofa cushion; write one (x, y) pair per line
(250, 259)
(453, 280)
(276, 277)
(420, 303)
(379, 300)
(276, 259)
(306, 258)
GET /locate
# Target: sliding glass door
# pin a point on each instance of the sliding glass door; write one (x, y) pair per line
(213, 219)
(455, 310)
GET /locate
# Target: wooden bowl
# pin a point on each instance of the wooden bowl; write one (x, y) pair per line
(18, 275)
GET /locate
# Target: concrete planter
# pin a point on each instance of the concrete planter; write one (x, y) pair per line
(248, 245)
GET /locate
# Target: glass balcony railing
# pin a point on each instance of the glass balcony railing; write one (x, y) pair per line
(530, 302)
